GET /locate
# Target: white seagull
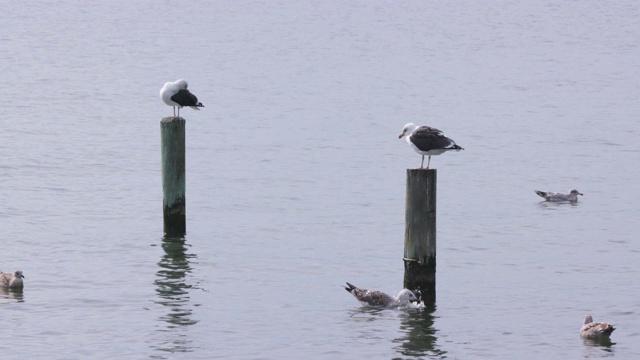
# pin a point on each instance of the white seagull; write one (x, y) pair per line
(572, 196)
(426, 140)
(595, 330)
(176, 94)
(12, 280)
(379, 299)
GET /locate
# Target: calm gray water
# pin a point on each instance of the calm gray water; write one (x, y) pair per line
(296, 178)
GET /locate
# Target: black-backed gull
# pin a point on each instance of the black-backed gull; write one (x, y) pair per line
(426, 140)
(176, 94)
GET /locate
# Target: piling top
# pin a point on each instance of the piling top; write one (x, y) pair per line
(171, 119)
(418, 170)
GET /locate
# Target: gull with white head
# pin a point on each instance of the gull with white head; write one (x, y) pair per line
(378, 299)
(176, 94)
(426, 140)
(572, 196)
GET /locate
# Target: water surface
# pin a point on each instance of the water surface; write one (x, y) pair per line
(296, 178)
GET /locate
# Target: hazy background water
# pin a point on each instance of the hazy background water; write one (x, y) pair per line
(296, 177)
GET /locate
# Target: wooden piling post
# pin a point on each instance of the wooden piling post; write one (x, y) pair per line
(172, 131)
(420, 234)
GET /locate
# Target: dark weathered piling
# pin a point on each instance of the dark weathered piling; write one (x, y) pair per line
(420, 234)
(172, 131)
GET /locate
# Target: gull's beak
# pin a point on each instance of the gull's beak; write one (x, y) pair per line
(581, 194)
(401, 135)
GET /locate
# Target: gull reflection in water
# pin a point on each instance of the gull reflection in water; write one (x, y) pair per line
(598, 348)
(11, 295)
(419, 338)
(173, 293)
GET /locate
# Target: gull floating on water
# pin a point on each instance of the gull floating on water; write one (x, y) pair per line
(379, 299)
(426, 140)
(176, 94)
(12, 280)
(556, 197)
(595, 330)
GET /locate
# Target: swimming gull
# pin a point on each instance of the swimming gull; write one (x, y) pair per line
(556, 197)
(426, 140)
(176, 94)
(12, 280)
(595, 330)
(379, 299)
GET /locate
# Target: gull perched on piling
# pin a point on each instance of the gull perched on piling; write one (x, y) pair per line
(379, 299)
(12, 280)
(426, 140)
(595, 330)
(176, 94)
(572, 196)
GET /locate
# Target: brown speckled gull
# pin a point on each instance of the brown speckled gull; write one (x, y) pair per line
(595, 330)
(379, 299)
(12, 280)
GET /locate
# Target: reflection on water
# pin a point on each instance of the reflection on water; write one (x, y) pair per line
(598, 348)
(366, 310)
(550, 205)
(419, 335)
(12, 294)
(173, 293)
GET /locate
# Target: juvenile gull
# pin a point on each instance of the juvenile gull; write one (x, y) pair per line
(379, 299)
(595, 330)
(12, 280)
(176, 94)
(556, 197)
(426, 140)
